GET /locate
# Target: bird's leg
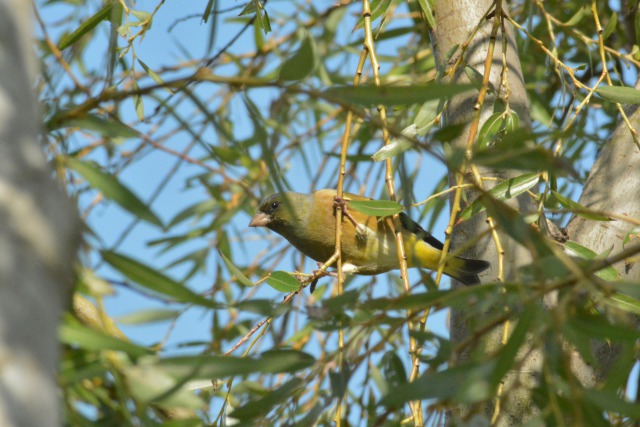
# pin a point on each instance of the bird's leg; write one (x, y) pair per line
(340, 203)
(318, 274)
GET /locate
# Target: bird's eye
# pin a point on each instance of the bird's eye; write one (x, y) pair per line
(274, 205)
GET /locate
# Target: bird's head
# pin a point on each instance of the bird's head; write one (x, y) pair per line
(276, 212)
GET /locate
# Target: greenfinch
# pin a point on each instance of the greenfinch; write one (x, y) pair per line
(369, 247)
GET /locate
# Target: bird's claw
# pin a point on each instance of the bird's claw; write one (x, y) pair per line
(341, 203)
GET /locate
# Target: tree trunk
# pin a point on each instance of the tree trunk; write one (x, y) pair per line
(39, 235)
(455, 22)
(613, 186)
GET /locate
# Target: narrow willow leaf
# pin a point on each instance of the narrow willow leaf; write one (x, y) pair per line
(577, 208)
(148, 316)
(104, 126)
(153, 280)
(503, 191)
(378, 208)
(611, 26)
(624, 302)
(611, 403)
(620, 94)
(235, 271)
(633, 234)
(378, 8)
(371, 95)
(428, 13)
(259, 407)
(92, 339)
(584, 10)
(302, 63)
(149, 383)
(103, 14)
(468, 383)
(156, 78)
(137, 103)
(608, 273)
(215, 366)
(113, 189)
(476, 78)
(397, 145)
(283, 282)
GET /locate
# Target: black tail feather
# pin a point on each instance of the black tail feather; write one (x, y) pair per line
(468, 274)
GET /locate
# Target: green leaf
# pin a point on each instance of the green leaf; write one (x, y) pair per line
(235, 271)
(103, 14)
(371, 95)
(302, 62)
(610, 402)
(215, 366)
(633, 234)
(577, 208)
(611, 26)
(283, 282)
(476, 78)
(113, 189)
(378, 8)
(148, 316)
(514, 224)
(428, 13)
(153, 280)
(620, 94)
(503, 191)
(104, 126)
(624, 302)
(535, 158)
(91, 339)
(467, 383)
(377, 208)
(608, 273)
(397, 145)
(156, 78)
(149, 383)
(261, 407)
(584, 10)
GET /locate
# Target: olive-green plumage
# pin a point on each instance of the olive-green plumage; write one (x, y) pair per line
(307, 221)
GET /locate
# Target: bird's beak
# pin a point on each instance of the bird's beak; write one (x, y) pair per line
(260, 220)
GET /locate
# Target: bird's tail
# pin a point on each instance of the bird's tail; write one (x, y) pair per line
(466, 270)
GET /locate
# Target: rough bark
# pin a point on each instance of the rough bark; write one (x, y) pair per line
(38, 239)
(455, 22)
(613, 186)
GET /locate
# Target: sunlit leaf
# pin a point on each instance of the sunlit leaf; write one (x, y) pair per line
(148, 316)
(620, 94)
(577, 208)
(235, 271)
(378, 208)
(503, 191)
(103, 14)
(577, 17)
(104, 126)
(283, 282)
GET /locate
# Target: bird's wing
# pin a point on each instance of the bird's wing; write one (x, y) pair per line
(415, 228)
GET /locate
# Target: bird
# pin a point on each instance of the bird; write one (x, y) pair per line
(369, 247)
